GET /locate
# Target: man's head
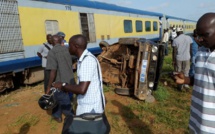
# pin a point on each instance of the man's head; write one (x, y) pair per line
(205, 28)
(77, 44)
(61, 35)
(179, 30)
(56, 40)
(49, 38)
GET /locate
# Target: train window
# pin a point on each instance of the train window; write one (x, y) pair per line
(139, 26)
(155, 26)
(127, 26)
(147, 26)
(51, 26)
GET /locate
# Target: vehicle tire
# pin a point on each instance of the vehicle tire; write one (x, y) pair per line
(124, 91)
(103, 44)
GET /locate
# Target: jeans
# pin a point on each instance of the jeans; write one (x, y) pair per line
(64, 105)
(165, 47)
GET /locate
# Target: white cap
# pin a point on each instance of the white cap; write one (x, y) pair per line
(179, 29)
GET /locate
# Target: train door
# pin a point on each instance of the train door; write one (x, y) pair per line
(88, 26)
(11, 44)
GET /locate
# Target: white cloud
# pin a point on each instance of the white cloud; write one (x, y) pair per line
(159, 7)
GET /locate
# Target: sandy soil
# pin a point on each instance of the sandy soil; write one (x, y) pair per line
(21, 114)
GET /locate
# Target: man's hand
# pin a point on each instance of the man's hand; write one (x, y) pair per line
(179, 78)
(57, 85)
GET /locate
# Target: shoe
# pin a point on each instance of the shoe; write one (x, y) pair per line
(180, 87)
(59, 120)
(186, 86)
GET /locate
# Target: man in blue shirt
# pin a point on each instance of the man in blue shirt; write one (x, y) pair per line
(194, 49)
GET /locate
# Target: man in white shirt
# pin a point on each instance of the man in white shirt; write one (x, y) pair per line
(42, 53)
(181, 54)
(90, 96)
(165, 40)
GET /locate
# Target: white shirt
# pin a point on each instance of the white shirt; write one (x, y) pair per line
(44, 52)
(165, 37)
(87, 70)
(173, 34)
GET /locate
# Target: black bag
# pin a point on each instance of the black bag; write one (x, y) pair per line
(90, 123)
(87, 123)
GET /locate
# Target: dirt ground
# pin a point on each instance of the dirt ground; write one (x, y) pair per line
(21, 114)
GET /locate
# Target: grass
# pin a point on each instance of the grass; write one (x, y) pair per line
(53, 124)
(27, 118)
(161, 94)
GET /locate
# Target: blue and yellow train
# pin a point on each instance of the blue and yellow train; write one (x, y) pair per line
(25, 23)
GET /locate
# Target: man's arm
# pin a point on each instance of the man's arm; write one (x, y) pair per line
(52, 66)
(173, 55)
(51, 80)
(87, 70)
(39, 55)
(81, 88)
(181, 79)
(191, 52)
(40, 50)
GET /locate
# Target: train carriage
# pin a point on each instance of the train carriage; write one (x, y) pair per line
(25, 23)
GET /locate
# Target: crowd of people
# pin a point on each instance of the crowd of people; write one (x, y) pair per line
(58, 73)
(193, 60)
(184, 49)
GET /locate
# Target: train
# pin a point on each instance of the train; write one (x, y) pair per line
(25, 23)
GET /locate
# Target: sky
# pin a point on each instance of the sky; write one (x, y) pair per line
(188, 9)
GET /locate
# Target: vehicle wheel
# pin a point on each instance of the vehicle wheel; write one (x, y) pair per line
(2, 89)
(103, 45)
(124, 91)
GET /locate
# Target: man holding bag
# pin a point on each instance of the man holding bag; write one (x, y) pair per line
(89, 90)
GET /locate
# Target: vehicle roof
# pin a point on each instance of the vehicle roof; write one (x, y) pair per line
(104, 6)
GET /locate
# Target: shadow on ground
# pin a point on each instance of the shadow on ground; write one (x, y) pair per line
(133, 122)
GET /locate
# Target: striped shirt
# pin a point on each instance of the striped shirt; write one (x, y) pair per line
(202, 115)
(91, 101)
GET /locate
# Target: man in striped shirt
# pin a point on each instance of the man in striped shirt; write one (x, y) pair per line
(202, 116)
